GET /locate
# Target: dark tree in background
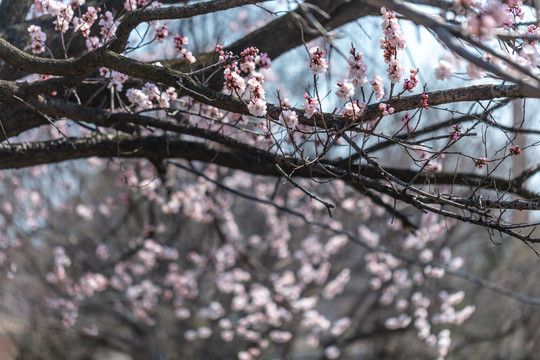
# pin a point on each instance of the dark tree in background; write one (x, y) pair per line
(266, 179)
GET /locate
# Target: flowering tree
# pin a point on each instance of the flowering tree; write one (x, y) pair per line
(382, 166)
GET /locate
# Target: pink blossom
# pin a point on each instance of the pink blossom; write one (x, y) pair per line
(38, 39)
(280, 336)
(443, 343)
(410, 84)
(190, 335)
(378, 87)
(85, 22)
(117, 80)
(162, 32)
(386, 109)
(190, 58)
(455, 135)
(393, 37)
(138, 97)
(317, 63)
(340, 326)
(233, 81)
(332, 352)
(256, 88)
(395, 71)
(475, 72)
(289, 118)
(334, 244)
(63, 18)
(484, 23)
(336, 286)
(529, 55)
(91, 330)
(93, 43)
(244, 355)
(346, 89)
(204, 332)
(108, 26)
(257, 107)
(311, 105)
(263, 60)
(400, 322)
(179, 42)
(130, 5)
(84, 211)
(352, 110)
(444, 70)
(357, 68)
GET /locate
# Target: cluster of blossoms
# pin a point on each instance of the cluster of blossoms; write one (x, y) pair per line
(513, 12)
(180, 41)
(483, 23)
(357, 68)
(378, 87)
(88, 284)
(392, 42)
(247, 62)
(150, 95)
(64, 14)
(424, 101)
(311, 105)
(516, 150)
(38, 39)
(386, 109)
(250, 59)
(406, 119)
(85, 22)
(346, 89)
(395, 71)
(289, 118)
(257, 104)
(480, 162)
(444, 70)
(533, 30)
(63, 18)
(93, 43)
(162, 31)
(454, 135)
(317, 63)
(396, 282)
(353, 109)
(410, 83)
(221, 53)
(528, 56)
(234, 81)
(117, 79)
(255, 87)
(108, 26)
(257, 107)
(475, 72)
